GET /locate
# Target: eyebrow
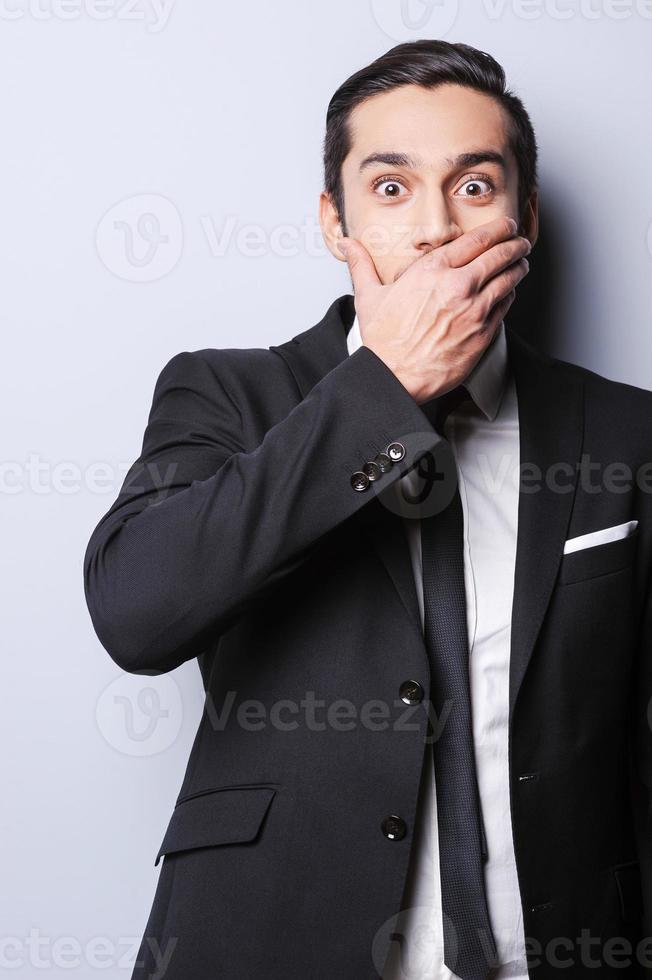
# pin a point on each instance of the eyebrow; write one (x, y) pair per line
(395, 159)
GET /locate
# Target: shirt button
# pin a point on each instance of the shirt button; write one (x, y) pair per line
(411, 692)
(394, 827)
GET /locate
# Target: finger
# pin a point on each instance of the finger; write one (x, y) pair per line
(498, 312)
(476, 241)
(497, 259)
(497, 287)
(361, 266)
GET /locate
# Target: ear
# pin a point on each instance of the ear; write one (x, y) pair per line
(529, 226)
(331, 227)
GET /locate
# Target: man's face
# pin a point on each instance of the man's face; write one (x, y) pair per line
(400, 207)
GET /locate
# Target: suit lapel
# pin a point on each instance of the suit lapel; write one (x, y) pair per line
(550, 396)
(550, 408)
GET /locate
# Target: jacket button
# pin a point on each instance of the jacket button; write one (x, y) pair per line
(411, 692)
(371, 469)
(384, 462)
(394, 827)
(359, 480)
(396, 451)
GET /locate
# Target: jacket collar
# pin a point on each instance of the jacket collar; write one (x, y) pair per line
(550, 398)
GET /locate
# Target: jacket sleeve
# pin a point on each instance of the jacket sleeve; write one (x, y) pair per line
(201, 527)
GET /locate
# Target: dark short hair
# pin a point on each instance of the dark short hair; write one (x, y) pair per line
(428, 63)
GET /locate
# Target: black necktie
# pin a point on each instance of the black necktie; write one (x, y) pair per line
(469, 945)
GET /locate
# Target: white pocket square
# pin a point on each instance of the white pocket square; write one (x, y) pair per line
(600, 537)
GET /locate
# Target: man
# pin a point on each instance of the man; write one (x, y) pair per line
(411, 554)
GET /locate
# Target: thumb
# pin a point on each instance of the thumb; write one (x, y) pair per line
(361, 266)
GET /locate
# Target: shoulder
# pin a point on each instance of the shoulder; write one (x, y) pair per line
(615, 409)
(618, 409)
(211, 367)
(611, 390)
(250, 388)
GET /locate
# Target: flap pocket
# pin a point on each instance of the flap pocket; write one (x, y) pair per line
(628, 880)
(225, 815)
(599, 559)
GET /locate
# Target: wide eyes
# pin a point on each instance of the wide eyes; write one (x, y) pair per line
(392, 187)
(473, 187)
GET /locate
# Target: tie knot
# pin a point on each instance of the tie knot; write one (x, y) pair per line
(438, 409)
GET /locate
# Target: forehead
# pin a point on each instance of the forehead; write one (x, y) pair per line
(431, 123)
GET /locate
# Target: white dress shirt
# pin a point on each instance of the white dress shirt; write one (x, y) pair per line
(484, 438)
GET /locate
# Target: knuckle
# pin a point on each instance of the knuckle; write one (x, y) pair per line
(506, 253)
(481, 238)
(509, 281)
(521, 268)
(457, 291)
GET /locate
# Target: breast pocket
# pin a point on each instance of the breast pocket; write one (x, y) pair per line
(222, 815)
(598, 559)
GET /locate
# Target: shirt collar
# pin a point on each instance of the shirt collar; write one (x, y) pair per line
(487, 379)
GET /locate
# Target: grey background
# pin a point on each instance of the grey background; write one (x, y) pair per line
(210, 117)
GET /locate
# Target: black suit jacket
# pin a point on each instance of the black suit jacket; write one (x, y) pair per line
(238, 538)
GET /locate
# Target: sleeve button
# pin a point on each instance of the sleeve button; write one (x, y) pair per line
(384, 462)
(371, 469)
(396, 451)
(359, 480)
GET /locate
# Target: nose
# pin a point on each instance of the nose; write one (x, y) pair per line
(434, 223)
